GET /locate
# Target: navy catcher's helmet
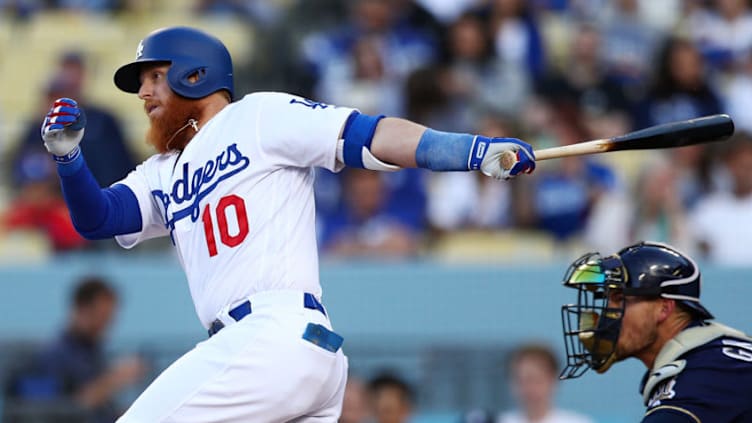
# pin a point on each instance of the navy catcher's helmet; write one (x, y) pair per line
(190, 52)
(658, 270)
(592, 325)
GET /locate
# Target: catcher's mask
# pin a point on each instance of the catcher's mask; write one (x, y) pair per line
(647, 270)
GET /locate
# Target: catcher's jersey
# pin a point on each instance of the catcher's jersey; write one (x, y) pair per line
(714, 386)
(238, 201)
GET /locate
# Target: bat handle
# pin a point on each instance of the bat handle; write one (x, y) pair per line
(507, 160)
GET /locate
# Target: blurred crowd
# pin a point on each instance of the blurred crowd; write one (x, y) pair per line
(71, 378)
(75, 376)
(532, 375)
(551, 72)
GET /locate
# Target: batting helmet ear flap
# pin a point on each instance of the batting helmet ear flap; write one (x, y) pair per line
(191, 79)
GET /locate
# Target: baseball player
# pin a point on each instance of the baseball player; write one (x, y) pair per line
(232, 186)
(644, 302)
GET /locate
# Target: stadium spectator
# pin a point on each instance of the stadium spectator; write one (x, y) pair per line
(533, 374)
(517, 37)
(447, 11)
(427, 101)
(477, 416)
(465, 201)
(37, 198)
(73, 367)
(363, 226)
(356, 407)
(408, 197)
(664, 15)
(569, 193)
(57, 86)
(720, 222)
(393, 399)
(584, 81)
(738, 94)
(681, 89)
(628, 43)
(108, 139)
(477, 80)
(362, 81)
(403, 48)
(20, 10)
(668, 188)
(724, 35)
(104, 137)
(660, 213)
(261, 12)
(24, 9)
(38, 205)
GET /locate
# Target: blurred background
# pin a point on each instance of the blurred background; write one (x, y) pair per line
(444, 286)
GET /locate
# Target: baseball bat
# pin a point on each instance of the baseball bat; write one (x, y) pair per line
(668, 135)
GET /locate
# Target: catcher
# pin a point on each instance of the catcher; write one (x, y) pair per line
(644, 302)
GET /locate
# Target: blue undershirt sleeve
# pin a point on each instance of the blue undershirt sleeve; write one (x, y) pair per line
(97, 213)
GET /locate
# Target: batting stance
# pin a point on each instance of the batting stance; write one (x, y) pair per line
(644, 302)
(232, 186)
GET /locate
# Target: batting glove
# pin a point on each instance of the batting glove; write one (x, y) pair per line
(491, 165)
(63, 129)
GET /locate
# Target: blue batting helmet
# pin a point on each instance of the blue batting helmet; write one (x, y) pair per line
(190, 52)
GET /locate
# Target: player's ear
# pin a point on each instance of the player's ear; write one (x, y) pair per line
(666, 308)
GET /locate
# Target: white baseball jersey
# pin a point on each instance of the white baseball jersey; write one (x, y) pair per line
(238, 201)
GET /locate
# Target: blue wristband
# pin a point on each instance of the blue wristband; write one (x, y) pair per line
(70, 163)
(447, 151)
(477, 152)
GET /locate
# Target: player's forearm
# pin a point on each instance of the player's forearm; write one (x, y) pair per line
(407, 144)
(97, 213)
(396, 140)
(379, 143)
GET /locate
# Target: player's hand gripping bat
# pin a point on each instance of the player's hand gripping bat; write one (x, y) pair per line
(669, 135)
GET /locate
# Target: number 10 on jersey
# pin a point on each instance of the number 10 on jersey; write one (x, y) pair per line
(221, 212)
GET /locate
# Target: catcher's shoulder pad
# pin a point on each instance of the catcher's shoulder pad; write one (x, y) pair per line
(663, 373)
(667, 363)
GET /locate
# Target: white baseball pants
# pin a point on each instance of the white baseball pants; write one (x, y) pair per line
(259, 369)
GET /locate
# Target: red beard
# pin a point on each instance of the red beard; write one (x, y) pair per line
(171, 131)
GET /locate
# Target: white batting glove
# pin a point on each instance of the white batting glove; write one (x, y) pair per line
(504, 158)
(63, 129)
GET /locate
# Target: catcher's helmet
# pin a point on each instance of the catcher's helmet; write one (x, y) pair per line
(190, 52)
(658, 270)
(647, 269)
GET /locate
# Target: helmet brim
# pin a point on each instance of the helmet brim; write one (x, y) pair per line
(128, 77)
